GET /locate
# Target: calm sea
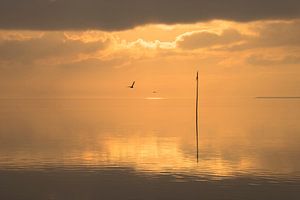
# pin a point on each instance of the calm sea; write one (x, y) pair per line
(86, 149)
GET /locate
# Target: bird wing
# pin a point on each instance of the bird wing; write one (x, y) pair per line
(133, 84)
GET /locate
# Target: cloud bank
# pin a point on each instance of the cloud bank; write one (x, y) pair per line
(49, 46)
(71, 49)
(203, 39)
(120, 14)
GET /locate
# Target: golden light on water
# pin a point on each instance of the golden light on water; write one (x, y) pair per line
(149, 99)
(159, 155)
(153, 155)
(151, 136)
(155, 98)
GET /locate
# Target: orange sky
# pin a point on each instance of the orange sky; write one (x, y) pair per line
(257, 58)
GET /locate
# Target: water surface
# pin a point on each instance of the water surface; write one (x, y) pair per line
(146, 149)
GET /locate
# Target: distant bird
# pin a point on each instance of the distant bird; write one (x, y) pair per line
(131, 86)
(154, 92)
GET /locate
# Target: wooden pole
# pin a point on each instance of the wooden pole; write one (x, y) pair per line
(197, 99)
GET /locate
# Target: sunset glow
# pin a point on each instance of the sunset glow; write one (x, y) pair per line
(159, 57)
(149, 99)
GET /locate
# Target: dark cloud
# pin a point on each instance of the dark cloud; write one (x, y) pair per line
(268, 35)
(124, 14)
(278, 34)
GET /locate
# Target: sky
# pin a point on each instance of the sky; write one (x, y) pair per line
(96, 48)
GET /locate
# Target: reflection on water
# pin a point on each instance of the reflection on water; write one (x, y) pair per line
(153, 137)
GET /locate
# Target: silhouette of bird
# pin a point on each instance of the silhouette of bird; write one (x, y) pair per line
(131, 86)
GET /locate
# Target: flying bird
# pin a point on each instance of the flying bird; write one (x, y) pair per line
(131, 86)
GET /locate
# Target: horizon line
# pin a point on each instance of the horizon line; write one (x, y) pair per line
(278, 97)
